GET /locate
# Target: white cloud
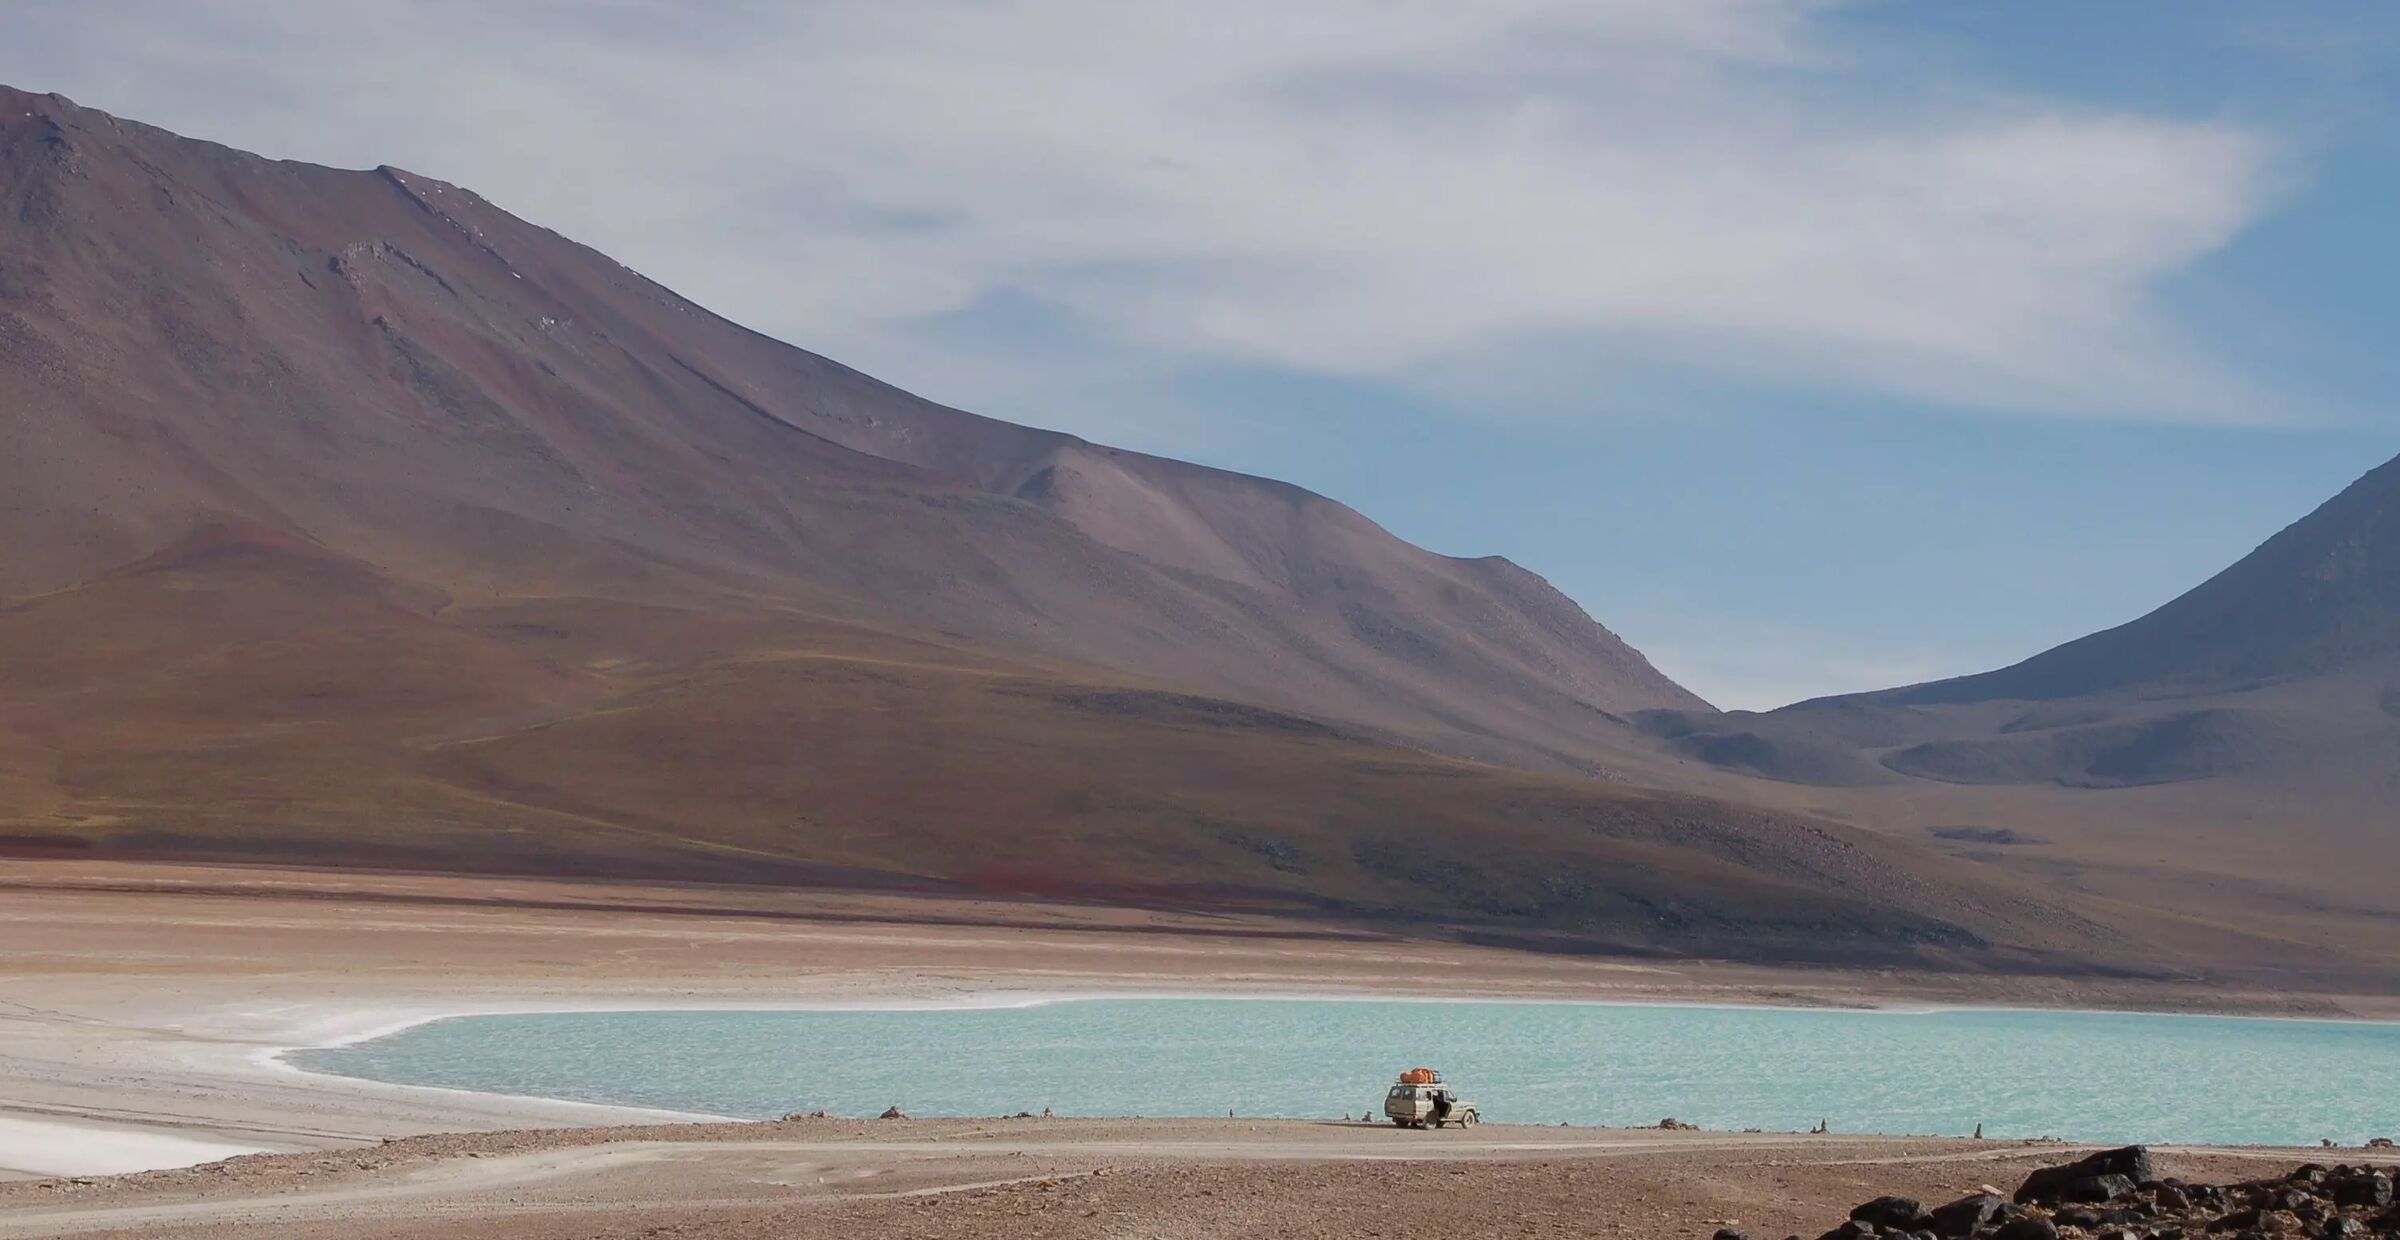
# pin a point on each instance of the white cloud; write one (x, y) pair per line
(1403, 189)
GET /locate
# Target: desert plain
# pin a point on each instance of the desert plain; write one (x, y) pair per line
(143, 1007)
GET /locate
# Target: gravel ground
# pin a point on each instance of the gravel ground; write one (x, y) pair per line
(1032, 1179)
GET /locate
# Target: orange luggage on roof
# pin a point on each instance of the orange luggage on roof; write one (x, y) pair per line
(1420, 1076)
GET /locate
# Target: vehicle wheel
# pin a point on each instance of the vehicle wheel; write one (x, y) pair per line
(1398, 1122)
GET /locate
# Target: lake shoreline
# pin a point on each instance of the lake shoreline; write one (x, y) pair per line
(132, 1007)
(1893, 1071)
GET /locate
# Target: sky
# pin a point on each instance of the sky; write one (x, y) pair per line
(1812, 346)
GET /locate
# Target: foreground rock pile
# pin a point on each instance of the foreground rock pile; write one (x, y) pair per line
(2118, 1195)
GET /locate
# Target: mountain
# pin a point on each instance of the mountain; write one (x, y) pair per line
(353, 521)
(387, 365)
(2289, 661)
(2232, 758)
(2321, 598)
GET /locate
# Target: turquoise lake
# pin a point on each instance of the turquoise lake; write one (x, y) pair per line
(2078, 1075)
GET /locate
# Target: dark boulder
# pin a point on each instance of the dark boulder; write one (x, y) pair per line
(1728, 1233)
(2372, 1189)
(2096, 1188)
(2029, 1227)
(1852, 1230)
(1898, 1213)
(2126, 1167)
(1966, 1215)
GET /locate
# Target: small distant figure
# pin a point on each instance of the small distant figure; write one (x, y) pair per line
(1045, 1113)
(1821, 1129)
(1229, 1112)
(1979, 1132)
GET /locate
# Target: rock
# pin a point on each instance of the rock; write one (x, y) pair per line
(2372, 1189)
(1967, 1215)
(1898, 1213)
(2172, 1198)
(1672, 1124)
(2093, 1188)
(2030, 1227)
(1852, 1230)
(893, 1112)
(1728, 1233)
(2130, 1165)
(2342, 1226)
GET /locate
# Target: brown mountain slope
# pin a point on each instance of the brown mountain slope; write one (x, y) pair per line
(390, 366)
(2231, 758)
(350, 520)
(244, 697)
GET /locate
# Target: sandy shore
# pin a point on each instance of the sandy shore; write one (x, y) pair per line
(1029, 1179)
(142, 1008)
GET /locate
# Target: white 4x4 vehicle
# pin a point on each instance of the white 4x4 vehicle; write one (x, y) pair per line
(1428, 1104)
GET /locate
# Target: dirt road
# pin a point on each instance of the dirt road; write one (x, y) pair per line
(1044, 1178)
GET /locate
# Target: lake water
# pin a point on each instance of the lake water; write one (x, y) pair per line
(2078, 1075)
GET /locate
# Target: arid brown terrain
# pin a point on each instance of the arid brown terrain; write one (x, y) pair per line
(142, 999)
(1059, 1178)
(353, 522)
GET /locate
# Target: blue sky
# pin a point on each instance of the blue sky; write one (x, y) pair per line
(1812, 346)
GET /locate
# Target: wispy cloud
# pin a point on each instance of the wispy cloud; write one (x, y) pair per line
(1403, 189)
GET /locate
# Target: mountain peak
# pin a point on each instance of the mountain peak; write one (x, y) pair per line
(2321, 595)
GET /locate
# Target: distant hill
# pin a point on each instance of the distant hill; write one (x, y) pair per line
(2321, 598)
(2286, 661)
